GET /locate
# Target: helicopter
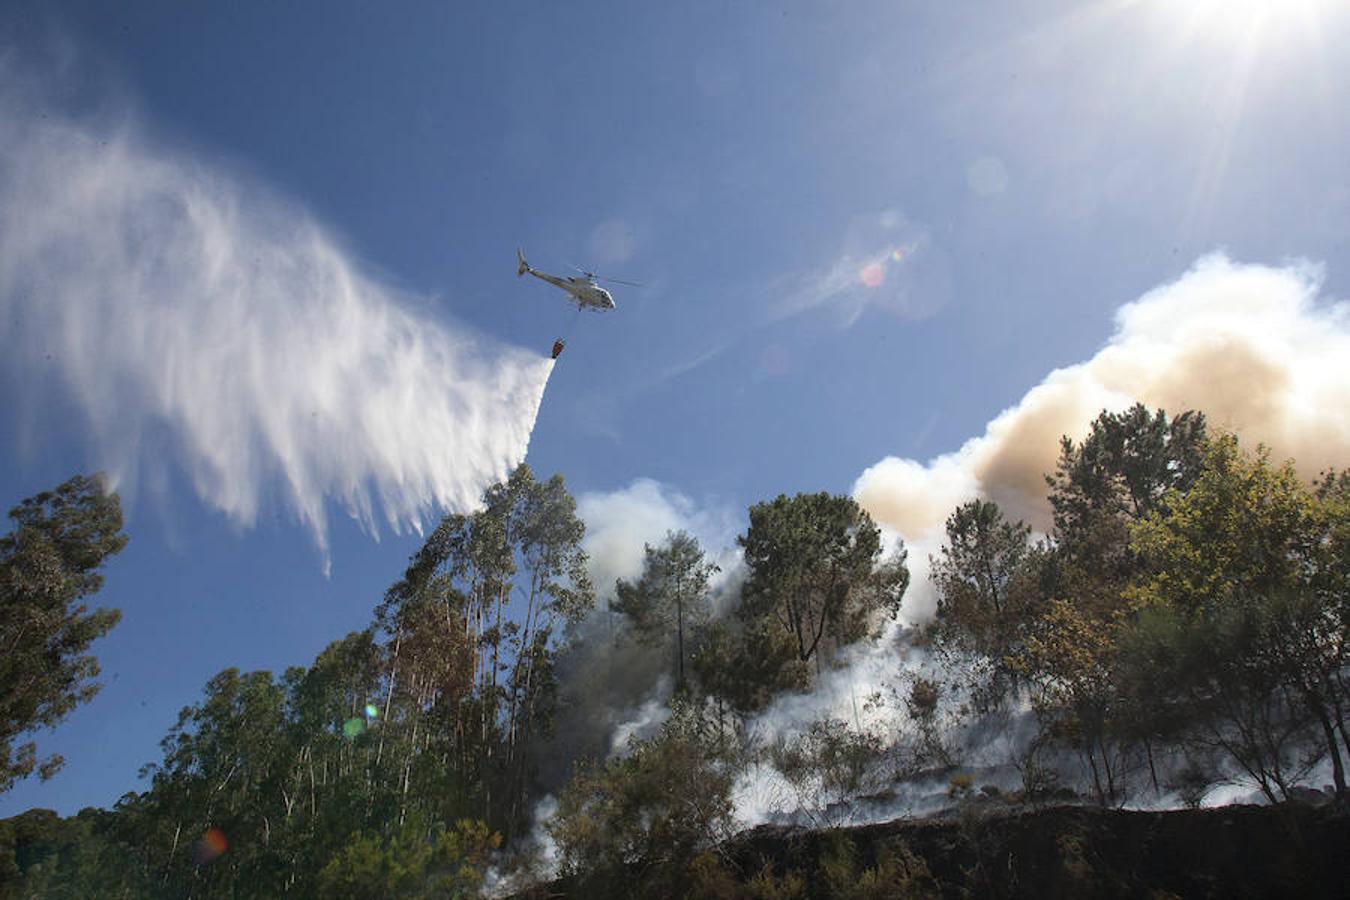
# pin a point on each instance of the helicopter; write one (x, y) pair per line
(584, 291)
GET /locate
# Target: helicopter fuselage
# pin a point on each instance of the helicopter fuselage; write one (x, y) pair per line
(585, 293)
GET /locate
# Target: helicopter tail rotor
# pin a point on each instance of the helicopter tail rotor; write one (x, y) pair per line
(521, 265)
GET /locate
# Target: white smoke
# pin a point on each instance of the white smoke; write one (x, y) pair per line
(1253, 347)
(619, 689)
(651, 715)
(183, 307)
(619, 525)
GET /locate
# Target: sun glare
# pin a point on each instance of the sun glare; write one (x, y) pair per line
(1264, 23)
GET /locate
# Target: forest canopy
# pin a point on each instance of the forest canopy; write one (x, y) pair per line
(1182, 627)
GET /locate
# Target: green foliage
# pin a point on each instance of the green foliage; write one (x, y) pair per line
(1076, 871)
(413, 863)
(1132, 465)
(1071, 658)
(816, 574)
(475, 626)
(648, 814)
(356, 776)
(1194, 598)
(986, 582)
(837, 870)
(711, 879)
(1241, 642)
(747, 663)
(1242, 523)
(1121, 473)
(977, 571)
(930, 744)
(49, 563)
(43, 855)
(669, 603)
(225, 767)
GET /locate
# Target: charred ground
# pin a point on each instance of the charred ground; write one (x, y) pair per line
(1286, 850)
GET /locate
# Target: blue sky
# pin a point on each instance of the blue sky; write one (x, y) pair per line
(864, 230)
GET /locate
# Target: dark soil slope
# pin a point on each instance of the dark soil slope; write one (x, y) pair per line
(1069, 852)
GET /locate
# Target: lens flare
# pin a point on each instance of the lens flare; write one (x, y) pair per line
(371, 711)
(210, 847)
(353, 727)
(872, 274)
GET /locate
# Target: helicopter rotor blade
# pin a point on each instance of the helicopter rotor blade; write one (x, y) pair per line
(589, 274)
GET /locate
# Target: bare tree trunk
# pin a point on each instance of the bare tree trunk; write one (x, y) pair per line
(526, 657)
(1333, 747)
(420, 689)
(313, 804)
(389, 694)
(173, 850)
(679, 634)
(496, 653)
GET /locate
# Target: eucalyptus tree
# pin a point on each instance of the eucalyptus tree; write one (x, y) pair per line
(49, 563)
(474, 627)
(332, 783)
(397, 737)
(225, 771)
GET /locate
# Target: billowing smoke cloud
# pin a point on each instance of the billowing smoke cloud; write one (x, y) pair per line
(1253, 347)
(619, 525)
(185, 308)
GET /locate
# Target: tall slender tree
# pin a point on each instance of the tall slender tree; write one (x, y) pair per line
(49, 563)
(669, 602)
(985, 576)
(505, 582)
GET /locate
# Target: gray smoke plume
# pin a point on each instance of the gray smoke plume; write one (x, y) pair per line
(614, 687)
(184, 307)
